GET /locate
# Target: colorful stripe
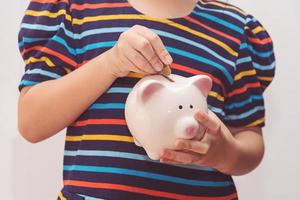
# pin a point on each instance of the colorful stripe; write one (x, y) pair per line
(125, 155)
(148, 175)
(139, 190)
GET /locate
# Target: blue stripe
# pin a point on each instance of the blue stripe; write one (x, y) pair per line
(220, 21)
(243, 103)
(148, 175)
(97, 31)
(245, 114)
(40, 27)
(119, 90)
(61, 41)
(264, 67)
(216, 110)
(107, 106)
(252, 19)
(28, 83)
(30, 40)
(243, 60)
(85, 48)
(117, 154)
(255, 64)
(257, 53)
(95, 46)
(43, 72)
(89, 198)
(201, 59)
(231, 14)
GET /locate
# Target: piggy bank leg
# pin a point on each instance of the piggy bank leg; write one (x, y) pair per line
(137, 142)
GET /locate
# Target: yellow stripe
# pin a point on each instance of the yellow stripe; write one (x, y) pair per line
(257, 122)
(61, 197)
(48, 13)
(224, 6)
(67, 70)
(41, 59)
(265, 78)
(165, 21)
(216, 95)
(135, 75)
(245, 73)
(119, 138)
(258, 29)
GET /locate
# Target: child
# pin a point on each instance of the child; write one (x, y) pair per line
(78, 55)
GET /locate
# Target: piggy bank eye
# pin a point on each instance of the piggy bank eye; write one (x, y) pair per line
(191, 106)
(180, 107)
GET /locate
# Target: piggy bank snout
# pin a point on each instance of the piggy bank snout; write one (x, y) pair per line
(191, 131)
(187, 128)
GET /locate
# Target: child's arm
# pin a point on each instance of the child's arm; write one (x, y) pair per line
(50, 106)
(234, 151)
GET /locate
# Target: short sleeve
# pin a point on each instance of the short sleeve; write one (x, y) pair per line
(46, 42)
(255, 67)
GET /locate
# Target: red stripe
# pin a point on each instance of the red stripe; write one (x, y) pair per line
(214, 30)
(99, 121)
(51, 52)
(156, 193)
(244, 89)
(99, 5)
(259, 41)
(197, 72)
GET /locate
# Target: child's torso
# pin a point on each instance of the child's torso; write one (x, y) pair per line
(101, 159)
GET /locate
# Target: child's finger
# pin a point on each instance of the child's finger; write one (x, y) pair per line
(156, 43)
(208, 122)
(179, 156)
(167, 161)
(138, 60)
(192, 145)
(149, 52)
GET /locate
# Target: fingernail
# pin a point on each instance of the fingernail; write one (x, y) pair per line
(158, 66)
(168, 59)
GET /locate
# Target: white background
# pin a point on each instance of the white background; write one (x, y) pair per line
(34, 172)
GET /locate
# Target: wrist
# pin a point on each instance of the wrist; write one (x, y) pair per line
(114, 64)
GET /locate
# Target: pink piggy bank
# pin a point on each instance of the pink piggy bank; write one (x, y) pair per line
(159, 111)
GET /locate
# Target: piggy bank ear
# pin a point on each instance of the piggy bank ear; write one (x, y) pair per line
(147, 89)
(203, 83)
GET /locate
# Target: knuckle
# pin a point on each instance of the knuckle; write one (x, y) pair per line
(154, 38)
(124, 35)
(144, 45)
(120, 45)
(154, 59)
(136, 26)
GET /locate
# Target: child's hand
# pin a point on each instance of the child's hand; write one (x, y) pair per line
(216, 149)
(139, 50)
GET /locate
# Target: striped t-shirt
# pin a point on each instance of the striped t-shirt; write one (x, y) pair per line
(101, 161)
